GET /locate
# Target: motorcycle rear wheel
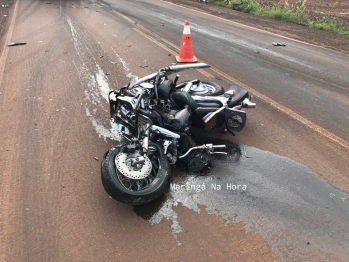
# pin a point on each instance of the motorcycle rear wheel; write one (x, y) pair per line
(210, 89)
(129, 191)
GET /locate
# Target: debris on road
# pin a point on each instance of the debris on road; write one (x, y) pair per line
(144, 66)
(279, 44)
(16, 43)
(96, 158)
(256, 51)
(345, 198)
(58, 110)
(169, 54)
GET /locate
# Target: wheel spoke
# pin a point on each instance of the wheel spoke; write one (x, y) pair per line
(137, 185)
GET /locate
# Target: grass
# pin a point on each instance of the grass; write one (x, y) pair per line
(294, 12)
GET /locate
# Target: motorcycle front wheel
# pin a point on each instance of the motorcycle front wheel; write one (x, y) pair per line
(132, 191)
(204, 88)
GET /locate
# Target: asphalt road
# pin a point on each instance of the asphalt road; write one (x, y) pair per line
(54, 130)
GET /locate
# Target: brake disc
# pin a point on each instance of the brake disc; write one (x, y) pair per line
(123, 163)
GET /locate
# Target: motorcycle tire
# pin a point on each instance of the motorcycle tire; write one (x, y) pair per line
(117, 190)
(213, 89)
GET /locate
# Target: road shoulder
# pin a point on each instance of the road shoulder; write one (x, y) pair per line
(294, 31)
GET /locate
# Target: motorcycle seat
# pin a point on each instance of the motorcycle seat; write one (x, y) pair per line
(181, 99)
(217, 104)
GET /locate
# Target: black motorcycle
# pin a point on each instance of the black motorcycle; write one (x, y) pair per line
(155, 115)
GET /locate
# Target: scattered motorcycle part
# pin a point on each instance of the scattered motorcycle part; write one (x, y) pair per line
(17, 43)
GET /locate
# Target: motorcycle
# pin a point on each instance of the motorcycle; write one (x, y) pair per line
(155, 115)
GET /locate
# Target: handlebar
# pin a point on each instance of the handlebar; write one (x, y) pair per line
(168, 70)
(177, 68)
(219, 146)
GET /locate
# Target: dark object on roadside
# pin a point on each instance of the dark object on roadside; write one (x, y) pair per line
(18, 43)
(279, 44)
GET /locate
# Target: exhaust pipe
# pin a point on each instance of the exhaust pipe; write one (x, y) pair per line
(164, 132)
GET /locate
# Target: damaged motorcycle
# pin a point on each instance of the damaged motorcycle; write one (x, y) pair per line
(155, 116)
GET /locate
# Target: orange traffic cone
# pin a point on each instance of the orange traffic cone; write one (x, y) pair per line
(186, 52)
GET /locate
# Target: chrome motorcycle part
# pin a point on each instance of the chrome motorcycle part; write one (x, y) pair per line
(203, 88)
(208, 147)
(146, 138)
(166, 144)
(248, 104)
(134, 167)
(213, 114)
(187, 87)
(164, 132)
(177, 68)
(146, 85)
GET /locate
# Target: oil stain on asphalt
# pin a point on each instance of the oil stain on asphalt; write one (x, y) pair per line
(270, 194)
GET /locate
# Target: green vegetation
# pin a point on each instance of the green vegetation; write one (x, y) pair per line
(294, 13)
